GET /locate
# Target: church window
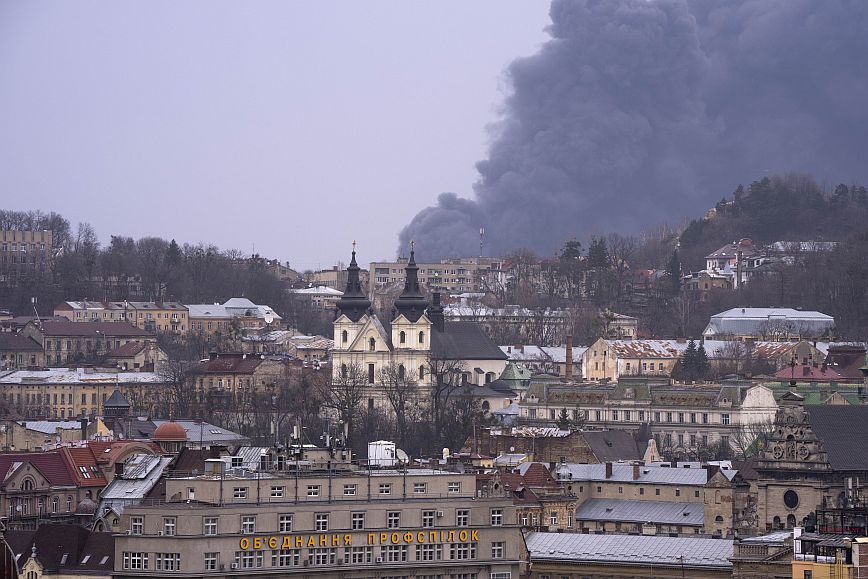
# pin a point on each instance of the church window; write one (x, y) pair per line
(401, 371)
(344, 337)
(791, 521)
(372, 345)
(402, 337)
(421, 337)
(421, 372)
(343, 371)
(370, 373)
(791, 499)
(776, 523)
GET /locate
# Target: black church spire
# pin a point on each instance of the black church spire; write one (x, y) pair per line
(354, 303)
(411, 303)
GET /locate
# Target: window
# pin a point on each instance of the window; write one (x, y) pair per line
(505, 575)
(248, 525)
(135, 560)
(359, 555)
(209, 526)
(370, 373)
(693, 417)
(641, 490)
(705, 418)
(372, 345)
(427, 519)
(696, 494)
(168, 562)
(462, 551)
(344, 371)
(429, 552)
(286, 558)
(497, 549)
(393, 519)
(620, 490)
(496, 517)
(313, 490)
(724, 418)
(421, 337)
(453, 487)
(239, 492)
(420, 488)
(358, 521)
(137, 525)
(553, 518)
(680, 417)
(668, 417)
(626, 416)
(599, 489)
(344, 337)
(349, 490)
(385, 488)
(422, 372)
(321, 522)
(276, 492)
(402, 338)
(657, 492)
(401, 372)
(394, 553)
(614, 415)
(284, 524)
(677, 492)
(462, 517)
(656, 417)
(249, 559)
(212, 560)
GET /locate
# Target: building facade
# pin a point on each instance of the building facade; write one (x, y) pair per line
(70, 342)
(25, 255)
(447, 276)
(348, 523)
(150, 316)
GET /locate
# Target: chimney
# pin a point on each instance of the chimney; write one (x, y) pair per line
(635, 471)
(568, 372)
(119, 469)
(608, 470)
(84, 428)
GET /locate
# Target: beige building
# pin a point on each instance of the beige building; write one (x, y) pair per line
(448, 276)
(20, 352)
(26, 435)
(611, 359)
(24, 255)
(336, 277)
(150, 316)
(62, 393)
(234, 316)
(684, 418)
(320, 297)
(349, 524)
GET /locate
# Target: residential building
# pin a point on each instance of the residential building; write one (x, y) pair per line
(618, 326)
(560, 555)
(821, 555)
(136, 356)
(420, 345)
(650, 499)
(54, 485)
(546, 326)
(769, 324)
(150, 316)
(20, 352)
(685, 419)
(268, 341)
(33, 435)
(611, 359)
(67, 393)
(217, 319)
(233, 377)
(547, 359)
(541, 503)
(63, 551)
(25, 255)
(448, 276)
(139, 474)
(336, 277)
(70, 342)
(320, 297)
(356, 523)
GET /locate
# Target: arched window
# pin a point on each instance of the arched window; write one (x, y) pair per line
(402, 337)
(776, 523)
(372, 345)
(54, 503)
(344, 337)
(421, 337)
(343, 370)
(69, 503)
(485, 406)
(718, 519)
(401, 371)
(27, 485)
(422, 372)
(791, 521)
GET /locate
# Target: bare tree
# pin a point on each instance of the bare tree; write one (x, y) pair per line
(344, 394)
(446, 379)
(748, 439)
(403, 393)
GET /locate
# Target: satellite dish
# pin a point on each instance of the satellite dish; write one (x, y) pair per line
(269, 317)
(402, 456)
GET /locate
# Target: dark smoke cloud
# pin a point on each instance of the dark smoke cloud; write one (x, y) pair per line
(639, 111)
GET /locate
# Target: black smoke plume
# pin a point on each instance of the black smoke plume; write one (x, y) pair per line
(639, 111)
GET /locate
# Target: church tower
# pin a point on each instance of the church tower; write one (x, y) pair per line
(411, 328)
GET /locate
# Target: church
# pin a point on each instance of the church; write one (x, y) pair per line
(417, 345)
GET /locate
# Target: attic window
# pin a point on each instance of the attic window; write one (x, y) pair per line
(104, 560)
(63, 559)
(85, 559)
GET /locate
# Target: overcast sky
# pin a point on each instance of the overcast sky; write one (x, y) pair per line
(294, 126)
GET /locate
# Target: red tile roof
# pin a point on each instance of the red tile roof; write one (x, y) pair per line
(127, 350)
(83, 458)
(51, 464)
(808, 372)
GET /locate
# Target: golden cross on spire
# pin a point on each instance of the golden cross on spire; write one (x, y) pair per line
(412, 244)
(354, 245)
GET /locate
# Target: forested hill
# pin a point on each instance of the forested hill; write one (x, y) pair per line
(780, 208)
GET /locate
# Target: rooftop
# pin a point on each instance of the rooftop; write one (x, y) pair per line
(624, 473)
(634, 511)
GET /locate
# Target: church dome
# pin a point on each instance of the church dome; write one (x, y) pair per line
(86, 507)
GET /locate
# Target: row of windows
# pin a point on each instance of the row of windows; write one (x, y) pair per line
(321, 522)
(618, 415)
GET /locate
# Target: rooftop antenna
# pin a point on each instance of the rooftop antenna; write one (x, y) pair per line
(33, 301)
(481, 238)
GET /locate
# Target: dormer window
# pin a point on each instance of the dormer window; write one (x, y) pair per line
(372, 345)
(402, 337)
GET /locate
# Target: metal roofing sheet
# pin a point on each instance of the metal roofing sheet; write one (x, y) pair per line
(624, 473)
(629, 549)
(631, 511)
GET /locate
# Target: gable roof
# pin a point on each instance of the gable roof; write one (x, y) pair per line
(99, 330)
(51, 464)
(611, 445)
(69, 548)
(10, 342)
(463, 341)
(842, 430)
(228, 363)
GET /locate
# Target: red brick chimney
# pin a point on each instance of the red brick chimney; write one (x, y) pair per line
(608, 470)
(568, 371)
(635, 472)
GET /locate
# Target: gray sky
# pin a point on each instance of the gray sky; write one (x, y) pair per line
(294, 126)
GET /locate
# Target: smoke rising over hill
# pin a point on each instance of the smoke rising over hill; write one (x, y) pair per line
(638, 111)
